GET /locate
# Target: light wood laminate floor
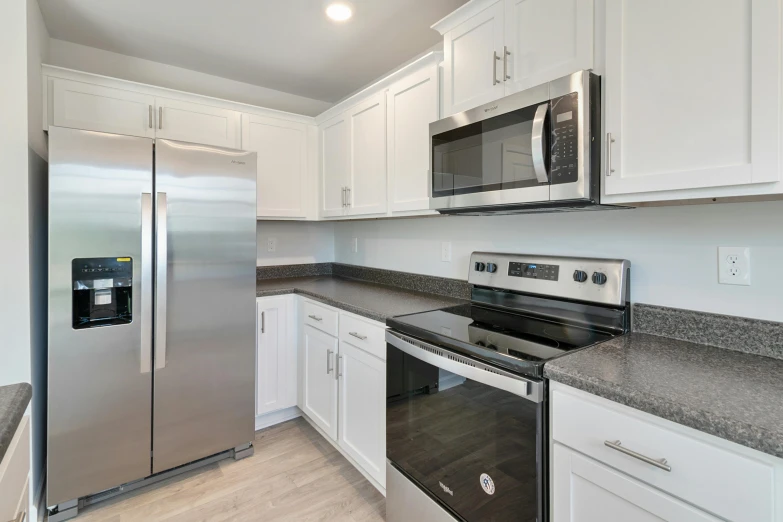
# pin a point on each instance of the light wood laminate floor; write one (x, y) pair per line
(294, 475)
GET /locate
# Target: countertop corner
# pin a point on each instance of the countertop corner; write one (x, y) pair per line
(14, 399)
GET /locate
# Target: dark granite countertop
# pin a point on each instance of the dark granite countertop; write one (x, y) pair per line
(733, 395)
(371, 300)
(13, 403)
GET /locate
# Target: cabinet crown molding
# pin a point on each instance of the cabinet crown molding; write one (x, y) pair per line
(465, 12)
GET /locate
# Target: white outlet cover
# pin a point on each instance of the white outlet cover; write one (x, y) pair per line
(734, 266)
(271, 244)
(445, 251)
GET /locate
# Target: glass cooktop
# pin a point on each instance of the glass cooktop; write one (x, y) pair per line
(520, 343)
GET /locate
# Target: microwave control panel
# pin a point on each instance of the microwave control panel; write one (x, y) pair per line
(564, 139)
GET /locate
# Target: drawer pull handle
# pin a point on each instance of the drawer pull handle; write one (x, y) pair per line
(358, 336)
(315, 317)
(658, 463)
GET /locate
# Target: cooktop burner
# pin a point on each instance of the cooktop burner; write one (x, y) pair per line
(517, 342)
(526, 310)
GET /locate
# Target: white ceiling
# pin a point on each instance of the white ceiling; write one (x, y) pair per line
(288, 45)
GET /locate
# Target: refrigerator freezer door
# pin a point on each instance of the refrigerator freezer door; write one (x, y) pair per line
(99, 372)
(205, 377)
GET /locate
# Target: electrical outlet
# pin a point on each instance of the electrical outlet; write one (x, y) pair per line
(734, 266)
(355, 245)
(271, 244)
(445, 251)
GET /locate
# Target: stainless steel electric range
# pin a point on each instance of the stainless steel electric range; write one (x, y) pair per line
(466, 414)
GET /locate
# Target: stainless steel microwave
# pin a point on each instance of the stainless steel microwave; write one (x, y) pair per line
(536, 150)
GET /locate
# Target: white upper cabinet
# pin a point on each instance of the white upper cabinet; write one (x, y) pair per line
(94, 107)
(492, 49)
(335, 166)
(411, 105)
(473, 61)
(367, 187)
(281, 147)
(546, 39)
(196, 123)
(690, 104)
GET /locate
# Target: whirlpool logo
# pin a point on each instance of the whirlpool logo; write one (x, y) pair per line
(235, 162)
(446, 488)
(490, 109)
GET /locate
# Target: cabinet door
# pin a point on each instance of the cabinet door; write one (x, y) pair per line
(691, 104)
(196, 123)
(275, 389)
(320, 379)
(586, 491)
(412, 104)
(91, 107)
(281, 147)
(335, 167)
(546, 39)
(363, 409)
(473, 61)
(367, 189)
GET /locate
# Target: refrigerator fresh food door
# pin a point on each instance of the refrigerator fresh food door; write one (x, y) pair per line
(100, 312)
(205, 268)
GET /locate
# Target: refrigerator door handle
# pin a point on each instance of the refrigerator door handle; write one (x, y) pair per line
(146, 282)
(161, 253)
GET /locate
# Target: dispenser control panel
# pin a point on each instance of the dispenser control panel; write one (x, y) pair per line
(102, 291)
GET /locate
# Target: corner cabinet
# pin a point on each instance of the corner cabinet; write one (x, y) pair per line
(276, 354)
(492, 49)
(319, 392)
(281, 147)
(353, 149)
(690, 105)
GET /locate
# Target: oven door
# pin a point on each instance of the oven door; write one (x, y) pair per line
(471, 437)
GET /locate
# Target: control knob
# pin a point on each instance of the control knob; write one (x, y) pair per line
(580, 276)
(599, 278)
(492, 268)
(480, 266)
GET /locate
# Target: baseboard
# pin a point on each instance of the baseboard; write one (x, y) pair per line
(350, 459)
(276, 417)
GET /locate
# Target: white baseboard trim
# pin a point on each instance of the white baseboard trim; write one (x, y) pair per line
(276, 417)
(366, 475)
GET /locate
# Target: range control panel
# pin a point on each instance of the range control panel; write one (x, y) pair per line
(603, 281)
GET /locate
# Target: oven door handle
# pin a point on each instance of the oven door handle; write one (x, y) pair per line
(538, 143)
(469, 368)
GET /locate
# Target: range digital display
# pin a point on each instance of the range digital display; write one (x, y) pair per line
(534, 271)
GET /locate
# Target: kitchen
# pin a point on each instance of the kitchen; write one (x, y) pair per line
(519, 264)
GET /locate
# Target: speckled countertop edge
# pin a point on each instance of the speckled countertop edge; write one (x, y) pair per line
(370, 314)
(14, 399)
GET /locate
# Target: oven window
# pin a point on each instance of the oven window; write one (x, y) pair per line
(494, 154)
(477, 449)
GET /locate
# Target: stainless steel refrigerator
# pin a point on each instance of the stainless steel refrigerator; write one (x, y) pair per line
(152, 257)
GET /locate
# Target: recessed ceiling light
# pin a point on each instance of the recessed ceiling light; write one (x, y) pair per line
(339, 12)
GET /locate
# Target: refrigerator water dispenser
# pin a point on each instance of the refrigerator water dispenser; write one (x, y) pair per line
(102, 291)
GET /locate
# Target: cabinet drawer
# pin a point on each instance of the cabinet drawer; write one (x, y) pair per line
(730, 485)
(363, 333)
(321, 317)
(14, 472)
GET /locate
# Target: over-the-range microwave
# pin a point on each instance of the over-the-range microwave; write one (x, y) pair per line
(535, 150)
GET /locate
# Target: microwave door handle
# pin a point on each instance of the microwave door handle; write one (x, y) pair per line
(538, 144)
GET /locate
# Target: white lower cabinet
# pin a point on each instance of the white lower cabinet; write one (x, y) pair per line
(343, 374)
(588, 491)
(362, 409)
(319, 399)
(614, 463)
(276, 361)
(15, 475)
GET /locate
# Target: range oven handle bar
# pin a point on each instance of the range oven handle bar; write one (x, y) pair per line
(470, 369)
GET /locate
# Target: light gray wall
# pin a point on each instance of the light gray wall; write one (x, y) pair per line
(297, 242)
(14, 242)
(673, 250)
(98, 61)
